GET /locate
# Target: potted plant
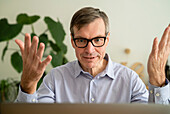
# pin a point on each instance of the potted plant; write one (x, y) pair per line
(8, 90)
(56, 46)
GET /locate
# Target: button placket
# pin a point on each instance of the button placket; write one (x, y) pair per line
(92, 99)
(151, 91)
(33, 100)
(92, 91)
(157, 94)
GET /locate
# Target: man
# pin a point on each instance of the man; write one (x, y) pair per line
(93, 78)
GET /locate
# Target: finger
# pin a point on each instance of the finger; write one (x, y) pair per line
(168, 42)
(154, 51)
(45, 62)
(39, 54)
(27, 44)
(21, 45)
(41, 50)
(164, 39)
(33, 48)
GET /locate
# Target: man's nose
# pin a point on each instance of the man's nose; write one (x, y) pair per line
(89, 48)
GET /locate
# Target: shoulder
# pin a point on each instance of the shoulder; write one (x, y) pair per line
(123, 71)
(126, 76)
(119, 70)
(61, 73)
(66, 68)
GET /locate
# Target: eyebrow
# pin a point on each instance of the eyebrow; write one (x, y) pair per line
(87, 38)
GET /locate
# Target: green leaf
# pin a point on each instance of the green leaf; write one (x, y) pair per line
(65, 60)
(16, 61)
(44, 39)
(57, 59)
(27, 20)
(64, 48)
(56, 30)
(9, 31)
(55, 47)
(4, 51)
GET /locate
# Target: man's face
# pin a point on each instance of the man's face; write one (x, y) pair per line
(90, 56)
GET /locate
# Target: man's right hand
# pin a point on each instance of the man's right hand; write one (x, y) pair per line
(33, 67)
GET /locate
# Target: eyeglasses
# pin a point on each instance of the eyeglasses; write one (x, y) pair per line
(83, 42)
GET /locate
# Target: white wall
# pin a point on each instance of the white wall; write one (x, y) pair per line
(133, 24)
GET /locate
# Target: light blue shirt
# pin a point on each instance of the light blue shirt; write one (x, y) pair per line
(70, 84)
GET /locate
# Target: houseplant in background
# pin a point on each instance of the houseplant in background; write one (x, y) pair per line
(54, 30)
(8, 89)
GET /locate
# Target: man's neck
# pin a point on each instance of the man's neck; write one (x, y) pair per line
(98, 69)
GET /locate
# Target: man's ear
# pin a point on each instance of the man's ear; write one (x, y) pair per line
(72, 42)
(107, 38)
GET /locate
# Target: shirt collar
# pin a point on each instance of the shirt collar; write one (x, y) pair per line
(78, 70)
(109, 68)
(107, 72)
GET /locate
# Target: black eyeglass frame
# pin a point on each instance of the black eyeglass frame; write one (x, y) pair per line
(89, 40)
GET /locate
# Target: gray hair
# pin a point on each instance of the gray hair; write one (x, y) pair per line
(87, 15)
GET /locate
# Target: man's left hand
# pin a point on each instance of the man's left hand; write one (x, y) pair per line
(158, 58)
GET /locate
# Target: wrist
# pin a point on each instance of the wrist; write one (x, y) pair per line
(157, 83)
(29, 88)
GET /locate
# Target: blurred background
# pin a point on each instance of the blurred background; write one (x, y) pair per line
(133, 26)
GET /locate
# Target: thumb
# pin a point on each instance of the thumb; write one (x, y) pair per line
(45, 62)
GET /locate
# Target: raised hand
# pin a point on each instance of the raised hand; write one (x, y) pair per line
(158, 58)
(33, 67)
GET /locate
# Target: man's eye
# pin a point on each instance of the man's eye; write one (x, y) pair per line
(80, 40)
(97, 40)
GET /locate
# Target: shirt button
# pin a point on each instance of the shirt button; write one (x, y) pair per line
(92, 99)
(151, 91)
(157, 94)
(33, 100)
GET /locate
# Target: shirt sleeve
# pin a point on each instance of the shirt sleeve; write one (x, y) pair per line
(159, 95)
(45, 93)
(24, 97)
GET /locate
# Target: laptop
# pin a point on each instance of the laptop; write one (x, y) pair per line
(45, 108)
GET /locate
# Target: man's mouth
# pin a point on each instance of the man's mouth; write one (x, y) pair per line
(90, 58)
